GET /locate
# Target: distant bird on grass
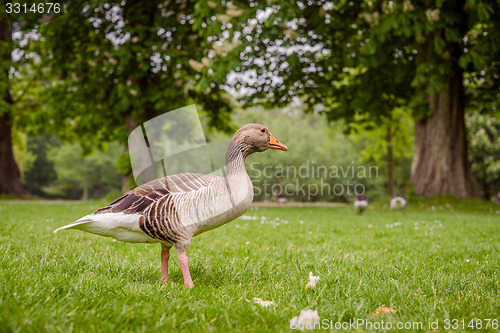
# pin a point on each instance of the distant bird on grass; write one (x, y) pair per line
(360, 204)
(398, 203)
(278, 197)
(172, 210)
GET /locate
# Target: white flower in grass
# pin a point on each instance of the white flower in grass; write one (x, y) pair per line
(312, 281)
(307, 319)
(263, 303)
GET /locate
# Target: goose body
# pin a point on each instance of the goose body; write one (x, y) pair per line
(360, 204)
(149, 214)
(173, 209)
(399, 203)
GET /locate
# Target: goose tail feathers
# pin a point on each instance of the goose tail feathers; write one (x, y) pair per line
(75, 224)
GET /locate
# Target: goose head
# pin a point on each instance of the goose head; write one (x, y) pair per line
(254, 138)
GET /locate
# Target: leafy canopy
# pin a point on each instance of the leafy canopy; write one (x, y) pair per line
(113, 65)
(352, 57)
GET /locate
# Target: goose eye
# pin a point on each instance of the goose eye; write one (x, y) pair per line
(263, 130)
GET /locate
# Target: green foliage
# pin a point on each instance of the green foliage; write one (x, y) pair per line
(357, 56)
(40, 173)
(24, 158)
(123, 164)
(58, 170)
(75, 172)
(373, 135)
(112, 66)
(374, 139)
(82, 282)
(484, 152)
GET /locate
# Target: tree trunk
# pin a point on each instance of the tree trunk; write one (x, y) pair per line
(97, 191)
(130, 124)
(440, 163)
(125, 183)
(10, 177)
(85, 195)
(390, 163)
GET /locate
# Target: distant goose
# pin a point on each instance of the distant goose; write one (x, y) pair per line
(172, 210)
(398, 202)
(277, 195)
(360, 204)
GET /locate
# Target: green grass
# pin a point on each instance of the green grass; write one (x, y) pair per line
(441, 263)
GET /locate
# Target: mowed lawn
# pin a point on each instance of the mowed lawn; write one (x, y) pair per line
(441, 261)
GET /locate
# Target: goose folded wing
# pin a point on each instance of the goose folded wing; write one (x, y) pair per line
(138, 199)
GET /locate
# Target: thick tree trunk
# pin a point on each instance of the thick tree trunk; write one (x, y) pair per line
(10, 177)
(390, 162)
(440, 164)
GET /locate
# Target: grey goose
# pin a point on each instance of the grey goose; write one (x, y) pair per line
(360, 204)
(173, 209)
(399, 202)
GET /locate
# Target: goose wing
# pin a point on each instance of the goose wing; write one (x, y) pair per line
(147, 207)
(140, 198)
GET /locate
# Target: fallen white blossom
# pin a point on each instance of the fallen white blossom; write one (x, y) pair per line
(307, 319)
(312, 281)
(263, 303)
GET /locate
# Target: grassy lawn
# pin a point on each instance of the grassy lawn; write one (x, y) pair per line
(442, 261)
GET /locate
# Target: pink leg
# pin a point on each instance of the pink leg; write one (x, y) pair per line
(184, 262)
(165, 255)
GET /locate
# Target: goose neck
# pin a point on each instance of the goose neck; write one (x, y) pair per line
(235, 159)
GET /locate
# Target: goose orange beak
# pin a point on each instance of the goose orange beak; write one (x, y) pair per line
(275, 144)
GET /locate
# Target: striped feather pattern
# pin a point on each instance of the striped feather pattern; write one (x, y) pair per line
(155, 202)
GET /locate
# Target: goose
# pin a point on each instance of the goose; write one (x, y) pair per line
(173, 209)
(277, 195)
(398, 202)
(360, 204)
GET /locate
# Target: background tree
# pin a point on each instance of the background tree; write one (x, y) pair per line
(83, 177)
(10, 177)
(484, 152)
(388, 144)
(114, 65)
(40, 173)
(17, 80)
(371, 56)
